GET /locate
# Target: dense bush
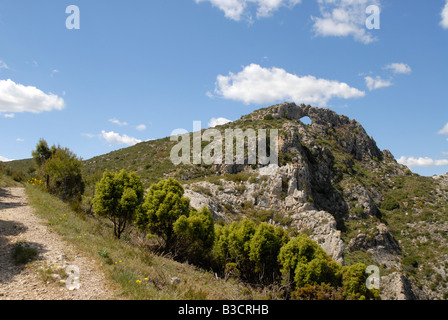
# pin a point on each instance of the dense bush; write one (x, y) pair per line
(354, 283)
(195, 235)
(61, 170)
(265, 247)
(64, 177)
(390, 203)
(305, 262)
(118, 196)
(318, 292)
(252, 249)
(163, 205)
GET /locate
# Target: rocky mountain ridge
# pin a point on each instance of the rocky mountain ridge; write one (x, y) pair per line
(331, 178)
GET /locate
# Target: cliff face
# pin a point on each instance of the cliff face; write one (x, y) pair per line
(331, 182)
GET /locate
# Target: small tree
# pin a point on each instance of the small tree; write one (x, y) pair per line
(354, 283)
(41, 155)
(118, 196)
(307, 263)
(196, 234)
(265, 247)
(232, 246)
(63, 171)
(163, 205)
(239, 245)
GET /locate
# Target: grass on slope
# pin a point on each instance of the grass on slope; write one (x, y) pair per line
(140, 273)
(7, 181)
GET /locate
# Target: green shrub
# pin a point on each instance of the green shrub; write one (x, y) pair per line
(354, 283)
(164, 204)
(63, 171)
(307, 263)
(196, 234)
(318, 292)
(390, 203)
(232, 245)
(118, 197)
(22, 253)
(265, 247)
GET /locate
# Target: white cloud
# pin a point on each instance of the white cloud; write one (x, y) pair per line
(377, 83)
(20, 140)
(255, 84)
(444, 130)
(141, 127)
(9, 115)
(444, 22)
(116, 138)
(3, 65)
(422, 162)
(118, 122)
(236, 9)
(217, 122)
(16, 97)
(342, 18)
(53, 72)
(89, 135)
(3, 159)
(399, 68)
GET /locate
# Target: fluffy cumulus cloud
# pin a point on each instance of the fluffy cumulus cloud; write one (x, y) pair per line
(218, 122)
(377, 83)
(444, 22)
(16, 98)
(422, 162)
(343, 18)
(115, 138)
(399, 68)
(258, 85)
(236, 9)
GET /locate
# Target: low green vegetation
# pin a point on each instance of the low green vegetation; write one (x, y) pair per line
(23, 254)
(244, 253)
(10, 177)
(128, 262)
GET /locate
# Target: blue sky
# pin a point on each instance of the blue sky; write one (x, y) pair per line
(137, 70)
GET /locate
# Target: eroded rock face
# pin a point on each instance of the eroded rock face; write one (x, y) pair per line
(380, 239)
(396, 287)
(306, 186)
(381, 245)
(321, 227)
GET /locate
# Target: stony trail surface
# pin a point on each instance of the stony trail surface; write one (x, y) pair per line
(19, 225)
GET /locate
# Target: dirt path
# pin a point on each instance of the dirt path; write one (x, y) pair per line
(18, 224)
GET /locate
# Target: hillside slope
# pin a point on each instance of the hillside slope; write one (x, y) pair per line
(332, 183)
